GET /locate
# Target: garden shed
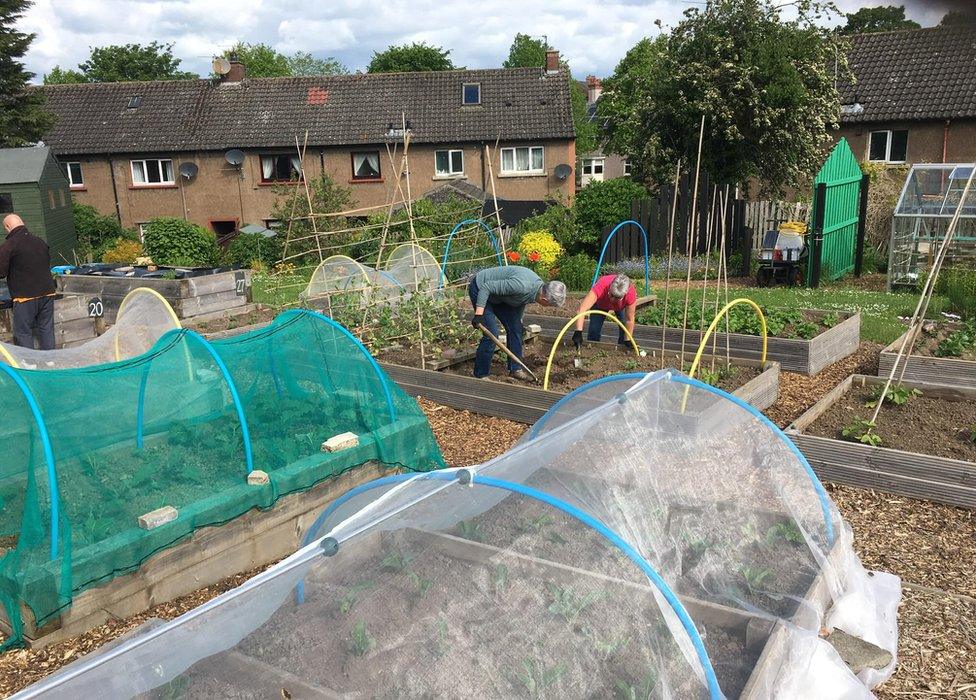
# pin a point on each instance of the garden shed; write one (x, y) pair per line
(33, 186)
(927, 205)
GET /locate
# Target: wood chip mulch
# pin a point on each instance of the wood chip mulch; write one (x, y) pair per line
(467, 438)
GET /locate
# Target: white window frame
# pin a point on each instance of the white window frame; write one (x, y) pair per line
(590, 164)
(628, 167)
(512, 154)
(450, 172)
(889, 136)
(81, 174)
(464, 88)
(271, 159)
(143, 167)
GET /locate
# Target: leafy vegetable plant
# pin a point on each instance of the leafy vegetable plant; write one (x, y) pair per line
(862, 431)
(643, 690)
(535, 677)
(898, 395)
(568, 604)
(362, 641)
(755, 577)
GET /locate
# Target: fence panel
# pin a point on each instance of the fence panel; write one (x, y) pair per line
(841, 174)
(767, 215)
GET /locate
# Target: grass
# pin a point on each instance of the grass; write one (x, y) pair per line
(879, 310)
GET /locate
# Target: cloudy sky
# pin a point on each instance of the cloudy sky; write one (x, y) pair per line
(592, 34)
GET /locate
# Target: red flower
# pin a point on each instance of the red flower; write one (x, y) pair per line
(534, 256)
(513, 256)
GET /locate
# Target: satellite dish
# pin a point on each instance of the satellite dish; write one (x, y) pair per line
(221, 66)
(234, 156)
(188, 170)
(563, 171)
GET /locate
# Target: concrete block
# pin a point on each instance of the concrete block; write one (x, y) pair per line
(343, 441)
(258, 478)
(534, 328)
(857, 653)
(160, 516)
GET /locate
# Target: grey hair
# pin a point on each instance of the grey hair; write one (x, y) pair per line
(620, 286)
(554, 292)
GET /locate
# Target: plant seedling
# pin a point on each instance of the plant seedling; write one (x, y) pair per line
(709, 376)
(830, 320)
(787, 531)
(631, 365)
(755, 577)
(641, 691)
(862, 431)
(898, 395)
(421, 584)
(397, 561)
(441, 643)
(349, 600)
(470, 531)
(535, 524)
(535, 677)
(362, 641)
(501, 578)
(972, 434)
(608, 648)
(807, 330)
(568, 605)
(556, 538)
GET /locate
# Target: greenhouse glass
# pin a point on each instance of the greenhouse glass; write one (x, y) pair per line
(144, 316)
(928, 202)
(90, 450)
(669, 542)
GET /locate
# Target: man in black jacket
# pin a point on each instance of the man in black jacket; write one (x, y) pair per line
(25, 261)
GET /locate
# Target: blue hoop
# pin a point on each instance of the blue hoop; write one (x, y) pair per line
(450, 237)
(579, 390)
(52, 476)
(647, 259)
(193, 335)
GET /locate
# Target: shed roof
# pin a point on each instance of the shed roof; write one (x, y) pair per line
(21, 165)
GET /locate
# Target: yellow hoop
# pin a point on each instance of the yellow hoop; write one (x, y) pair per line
(176, 319)
(8, 357)
(574, 319)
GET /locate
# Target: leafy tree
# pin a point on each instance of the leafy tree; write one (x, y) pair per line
(304, 63)
(260, 60)
(599, 205)
(765, 85)
(175, 242)
(409, 58)
(299, 236)
(61, 76)
(884, 18)
(619, 104)
(526, 52)
(956, 17)
(121, 62)
(97, 233)
(23, 119)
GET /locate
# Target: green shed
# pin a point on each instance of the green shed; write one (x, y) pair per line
(33, 186)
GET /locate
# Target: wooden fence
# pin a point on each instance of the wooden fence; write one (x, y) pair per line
(766, 215)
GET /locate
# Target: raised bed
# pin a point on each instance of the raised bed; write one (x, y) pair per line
(268, 530)
(190, 297)
(949, 371)
(793, 354)
(937, 478)
(72, 324)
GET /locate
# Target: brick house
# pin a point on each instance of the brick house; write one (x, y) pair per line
(123, 144)
(914, 96)
(599, 165)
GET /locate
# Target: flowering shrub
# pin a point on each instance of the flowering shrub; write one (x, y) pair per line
(541, 249)
(123, 251)
(513, 256)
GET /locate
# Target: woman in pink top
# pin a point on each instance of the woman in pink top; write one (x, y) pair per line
(613, 294)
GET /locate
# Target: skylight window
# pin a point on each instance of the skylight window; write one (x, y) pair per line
(471, 93)
(134, 101)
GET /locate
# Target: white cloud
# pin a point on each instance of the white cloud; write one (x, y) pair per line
(593, 36)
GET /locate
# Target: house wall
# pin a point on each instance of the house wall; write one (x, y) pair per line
(925, 140)
(222, 192)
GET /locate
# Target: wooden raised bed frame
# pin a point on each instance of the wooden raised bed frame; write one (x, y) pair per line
(949, 481)
(72, 326)
(947, 371)
(793, 354)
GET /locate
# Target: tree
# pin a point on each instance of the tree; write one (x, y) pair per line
(956, 17)
(619, 104)
(260, 60)
(527, 52)
(765, 86)
(599, 205)
(61, 76)
(885, 18)
(410, 58)
(23, 119)
(304, 63)
(97, 232)
(121, 62)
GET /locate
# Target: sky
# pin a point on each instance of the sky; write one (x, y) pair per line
(592, 35)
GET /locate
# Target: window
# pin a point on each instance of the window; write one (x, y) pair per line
(593, 166)
(72, 171)
(51, 200)
(152, 172)
(63, 200)
(471, 93)
(628, 167)
(449, 162)
(134, 102)
(281, 168)
(526, 159)
(888, 146)
(365, 165)
(6, 203)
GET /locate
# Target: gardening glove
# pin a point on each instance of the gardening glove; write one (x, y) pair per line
(477, 320)
(578, 339)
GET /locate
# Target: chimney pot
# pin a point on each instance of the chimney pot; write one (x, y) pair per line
(552, 61)
(594, 88)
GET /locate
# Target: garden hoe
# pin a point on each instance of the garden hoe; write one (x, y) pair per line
(504, 349)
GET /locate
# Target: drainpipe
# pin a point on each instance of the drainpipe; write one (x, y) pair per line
(945, 141)
(115, 190)
(481, 158)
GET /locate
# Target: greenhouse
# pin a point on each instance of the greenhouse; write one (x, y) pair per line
(653, 537)
(90, 451)
(144, 316)
(927, 205)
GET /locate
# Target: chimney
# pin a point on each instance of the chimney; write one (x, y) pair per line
(552, 61)
(594, 88)
(236, 73)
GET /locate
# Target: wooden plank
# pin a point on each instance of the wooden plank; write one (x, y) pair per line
(951, 371)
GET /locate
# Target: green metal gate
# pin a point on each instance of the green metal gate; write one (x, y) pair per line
(835, 215)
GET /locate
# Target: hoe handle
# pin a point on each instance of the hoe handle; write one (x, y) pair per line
(504, 349)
